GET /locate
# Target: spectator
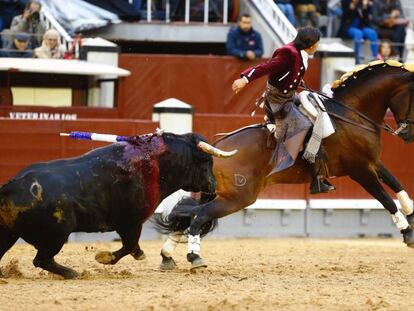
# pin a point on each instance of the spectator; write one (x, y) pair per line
(356, 24)
(385, 51)
(30, 22)
(8, 10)
(390, 21)
(287, 9)
(19, 47)
(334, 13)
(243, 41)
(307, 11)
(51, 47)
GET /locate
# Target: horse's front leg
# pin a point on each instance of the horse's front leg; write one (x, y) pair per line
(402, 196)
(217, 208)
(168, 249)
(370, 181)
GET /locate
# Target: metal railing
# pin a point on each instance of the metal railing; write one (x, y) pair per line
(171, 7)
(276, 19)
(51, 22)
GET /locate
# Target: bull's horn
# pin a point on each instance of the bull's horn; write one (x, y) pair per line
(215, 151)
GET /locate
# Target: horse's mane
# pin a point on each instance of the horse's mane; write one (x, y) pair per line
(226, 135)
(362, 69)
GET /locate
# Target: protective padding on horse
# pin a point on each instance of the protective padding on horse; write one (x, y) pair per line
(170, 245)
(406, 202)
(357, 69)
(400, 221)
(194, 242)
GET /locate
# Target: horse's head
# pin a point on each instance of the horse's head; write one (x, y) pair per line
(402, 106)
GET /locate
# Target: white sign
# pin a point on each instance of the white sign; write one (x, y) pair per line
(42, 116)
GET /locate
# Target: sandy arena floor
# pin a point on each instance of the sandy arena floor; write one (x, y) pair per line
(243, 274)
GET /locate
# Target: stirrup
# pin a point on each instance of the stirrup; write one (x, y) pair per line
(321, 185)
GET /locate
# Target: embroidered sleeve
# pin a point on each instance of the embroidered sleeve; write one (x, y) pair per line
(278, 65)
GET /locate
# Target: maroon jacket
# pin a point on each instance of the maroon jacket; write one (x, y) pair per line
(285, 69)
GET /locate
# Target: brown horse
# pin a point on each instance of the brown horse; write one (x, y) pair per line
(360, 104)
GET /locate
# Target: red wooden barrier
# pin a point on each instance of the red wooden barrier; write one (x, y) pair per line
(202, 81)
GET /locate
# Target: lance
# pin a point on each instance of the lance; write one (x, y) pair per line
(96, 137)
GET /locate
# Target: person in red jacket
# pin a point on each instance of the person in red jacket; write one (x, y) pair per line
(285, 71)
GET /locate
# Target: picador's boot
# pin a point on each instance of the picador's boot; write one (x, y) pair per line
(319, 183)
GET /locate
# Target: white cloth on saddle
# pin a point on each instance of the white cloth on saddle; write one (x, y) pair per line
(313, 108)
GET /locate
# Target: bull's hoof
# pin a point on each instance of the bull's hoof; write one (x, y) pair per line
(139, 255)
(409, 238)
(70, 274)
(410, 219)
(105, 258)
(167, 263)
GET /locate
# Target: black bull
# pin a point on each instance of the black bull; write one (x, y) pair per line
(113, 188)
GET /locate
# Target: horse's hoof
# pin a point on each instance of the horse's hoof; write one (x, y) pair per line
(139, 255)
(410, 219)
(409, 238)
(167, 263)
(105, 258)
(198, 264)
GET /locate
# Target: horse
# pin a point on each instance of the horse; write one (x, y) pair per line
(359, 104)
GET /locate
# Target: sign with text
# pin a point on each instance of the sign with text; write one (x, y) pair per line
(42, 116)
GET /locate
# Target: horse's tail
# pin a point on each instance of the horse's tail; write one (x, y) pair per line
(180, 218)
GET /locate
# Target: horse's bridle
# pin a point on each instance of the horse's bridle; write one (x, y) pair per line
(407, 121)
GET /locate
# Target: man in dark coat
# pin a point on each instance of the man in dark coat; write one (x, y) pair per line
(243, 41)
(19, 48)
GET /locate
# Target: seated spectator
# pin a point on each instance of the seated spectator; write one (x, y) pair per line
(243, 41)
(18, 48)
(8, 10)
(307, 11)
(287, 9)
(334, 13)
(385, 51)
(390, 22)
(51, 47)
(30, 22)
(357, 25)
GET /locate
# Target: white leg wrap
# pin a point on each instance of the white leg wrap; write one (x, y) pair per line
(169, 246)
(406, 202)
(399, 220)
(194, 242)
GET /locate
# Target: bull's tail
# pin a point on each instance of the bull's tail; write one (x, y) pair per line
(180, 218)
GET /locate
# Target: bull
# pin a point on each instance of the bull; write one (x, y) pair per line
(113, 188)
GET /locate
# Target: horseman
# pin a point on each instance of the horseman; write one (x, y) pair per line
(285, 70)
